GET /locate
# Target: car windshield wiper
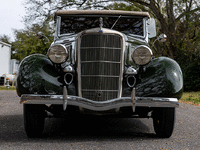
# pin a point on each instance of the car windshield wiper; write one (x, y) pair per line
(116, 21)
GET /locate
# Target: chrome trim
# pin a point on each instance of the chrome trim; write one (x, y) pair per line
(68, 69)
(131, 71)
(63, 46)
(58, 23)
(146, 30)
(101, 90)
(72, 78)
(101, 23)
(101, 61)
(129, 83)
(64, 98)
(99, 76)
(144, 47)
(96, 31)
(99, 47)
(133, 99)
(78, 62)
(145, 33)
(100, 105)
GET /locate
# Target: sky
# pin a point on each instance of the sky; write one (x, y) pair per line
(11, 13)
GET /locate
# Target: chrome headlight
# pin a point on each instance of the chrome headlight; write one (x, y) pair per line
(142, 55)
(58, 53)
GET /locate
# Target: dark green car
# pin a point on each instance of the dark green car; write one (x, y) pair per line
(100, 63)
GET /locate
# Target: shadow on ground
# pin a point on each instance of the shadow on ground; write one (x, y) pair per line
(77, 129)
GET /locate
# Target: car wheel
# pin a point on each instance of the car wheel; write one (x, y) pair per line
(34, 117)
(163, 121)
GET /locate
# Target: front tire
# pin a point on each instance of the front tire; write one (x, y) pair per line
(34, 117)
(163, 121)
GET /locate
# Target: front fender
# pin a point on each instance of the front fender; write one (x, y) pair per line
(35, 69)
(161, 78)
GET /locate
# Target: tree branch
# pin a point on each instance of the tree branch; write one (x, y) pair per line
(140, 2)
(186, 12)
(190, 5)
(84, 1)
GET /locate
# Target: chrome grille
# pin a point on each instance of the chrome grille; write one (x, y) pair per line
(100, 63)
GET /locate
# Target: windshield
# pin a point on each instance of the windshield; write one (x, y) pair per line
(128, 25)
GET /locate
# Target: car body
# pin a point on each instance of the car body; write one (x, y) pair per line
(100, 63)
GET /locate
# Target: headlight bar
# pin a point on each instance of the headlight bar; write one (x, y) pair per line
(142, 55)
(58, 53)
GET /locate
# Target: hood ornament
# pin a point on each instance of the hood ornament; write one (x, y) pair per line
(101, 24)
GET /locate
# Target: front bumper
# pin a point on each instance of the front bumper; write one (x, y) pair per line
(99, 105)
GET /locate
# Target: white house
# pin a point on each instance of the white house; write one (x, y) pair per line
(14, 65)
(8, 66)
(5, 57)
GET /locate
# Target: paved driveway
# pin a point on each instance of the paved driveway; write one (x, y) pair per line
(96, 134)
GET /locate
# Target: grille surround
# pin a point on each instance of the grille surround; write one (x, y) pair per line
(100, 65)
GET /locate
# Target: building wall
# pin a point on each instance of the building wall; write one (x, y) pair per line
(14, 65)
(5, 56)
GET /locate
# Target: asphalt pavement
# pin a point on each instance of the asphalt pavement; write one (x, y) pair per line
(96, 133)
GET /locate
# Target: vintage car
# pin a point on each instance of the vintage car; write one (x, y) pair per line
(100, 64)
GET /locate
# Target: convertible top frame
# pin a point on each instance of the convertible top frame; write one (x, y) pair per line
(101, 12)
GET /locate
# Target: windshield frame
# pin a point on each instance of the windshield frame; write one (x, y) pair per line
(58, 25)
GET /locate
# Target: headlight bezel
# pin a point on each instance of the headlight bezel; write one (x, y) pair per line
(145, 60)
(64, 50)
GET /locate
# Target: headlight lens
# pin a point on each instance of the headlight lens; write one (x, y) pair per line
(142, 55)
(58, 53)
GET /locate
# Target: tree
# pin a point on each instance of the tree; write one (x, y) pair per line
(27, 43)
(173, 16)
(5, 38)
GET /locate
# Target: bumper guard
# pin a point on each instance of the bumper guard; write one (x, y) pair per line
(66, 99)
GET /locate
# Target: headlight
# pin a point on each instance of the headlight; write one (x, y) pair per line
(58, 53)
(142, 55)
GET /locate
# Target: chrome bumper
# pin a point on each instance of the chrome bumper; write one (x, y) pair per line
(99, 105)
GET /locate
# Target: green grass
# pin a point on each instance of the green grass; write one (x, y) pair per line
(5, 88)
(191, 98)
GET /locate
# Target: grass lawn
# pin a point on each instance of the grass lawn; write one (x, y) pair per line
(191, 98)
(10, 88)
(188, 97)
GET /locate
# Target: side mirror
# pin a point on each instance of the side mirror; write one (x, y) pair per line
(151, 27)
(40, 35)
(162, 38)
